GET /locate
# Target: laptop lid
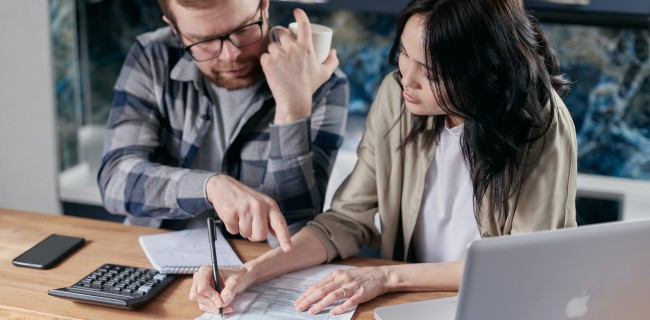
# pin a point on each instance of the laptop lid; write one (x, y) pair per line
(596, 272)
(591, 272)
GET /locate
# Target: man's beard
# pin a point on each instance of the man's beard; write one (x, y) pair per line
(254, 74)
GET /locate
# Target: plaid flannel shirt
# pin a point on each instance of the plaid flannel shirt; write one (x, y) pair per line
(160, 116)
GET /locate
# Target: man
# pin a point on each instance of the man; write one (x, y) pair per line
(209, 114)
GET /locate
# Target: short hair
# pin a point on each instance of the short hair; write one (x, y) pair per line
(164, 5)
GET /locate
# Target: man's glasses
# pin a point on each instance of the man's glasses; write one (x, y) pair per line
(210, 48)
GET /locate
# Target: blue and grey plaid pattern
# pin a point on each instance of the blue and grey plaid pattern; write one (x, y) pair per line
(160, 116)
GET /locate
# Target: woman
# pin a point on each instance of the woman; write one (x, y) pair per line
(469, 139)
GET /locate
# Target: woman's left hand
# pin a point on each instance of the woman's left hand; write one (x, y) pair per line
(355, 285)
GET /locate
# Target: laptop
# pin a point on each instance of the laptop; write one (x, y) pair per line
(596, 272)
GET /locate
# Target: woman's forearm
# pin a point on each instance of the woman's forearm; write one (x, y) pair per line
(307, 251)
(424, 276)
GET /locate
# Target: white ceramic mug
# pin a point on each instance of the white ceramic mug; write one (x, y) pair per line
(321, 37)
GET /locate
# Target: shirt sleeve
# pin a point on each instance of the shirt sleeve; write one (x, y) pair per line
(302, 153)
(129, 181)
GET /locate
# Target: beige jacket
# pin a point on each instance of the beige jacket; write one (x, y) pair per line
(391, 181)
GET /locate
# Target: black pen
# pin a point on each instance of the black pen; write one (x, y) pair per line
(213, 254)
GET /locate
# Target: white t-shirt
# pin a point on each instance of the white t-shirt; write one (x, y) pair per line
(446, 223)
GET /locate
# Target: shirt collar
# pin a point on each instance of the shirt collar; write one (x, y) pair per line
(185, 70)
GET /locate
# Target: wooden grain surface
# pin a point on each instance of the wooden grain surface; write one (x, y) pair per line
(23, 291)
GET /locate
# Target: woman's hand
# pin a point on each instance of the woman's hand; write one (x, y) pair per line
(356, 285)
(209, 300)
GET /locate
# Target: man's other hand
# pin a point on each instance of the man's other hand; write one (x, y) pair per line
(293, 71)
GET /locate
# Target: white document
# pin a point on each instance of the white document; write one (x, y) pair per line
(185, 251)
(274, 299)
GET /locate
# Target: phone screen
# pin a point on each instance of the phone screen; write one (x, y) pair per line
(48, 252)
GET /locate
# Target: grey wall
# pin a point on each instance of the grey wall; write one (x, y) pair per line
(28, 161)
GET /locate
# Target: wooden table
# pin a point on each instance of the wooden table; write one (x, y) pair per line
(23, 291)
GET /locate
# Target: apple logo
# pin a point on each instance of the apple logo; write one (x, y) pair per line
(577, 306)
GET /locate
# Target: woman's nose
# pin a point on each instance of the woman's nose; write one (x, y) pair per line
(409, 78)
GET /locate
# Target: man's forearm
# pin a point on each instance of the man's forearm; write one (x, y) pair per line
(290, 177)
(148, 194)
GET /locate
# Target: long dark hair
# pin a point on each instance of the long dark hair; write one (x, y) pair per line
(498, 72)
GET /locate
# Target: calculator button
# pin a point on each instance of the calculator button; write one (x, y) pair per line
(159, 277)
(144, 289)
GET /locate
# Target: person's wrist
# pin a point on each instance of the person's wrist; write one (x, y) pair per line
(286, 112)
(389, 278)
(281, 118)
(251, 272)
(212, 185)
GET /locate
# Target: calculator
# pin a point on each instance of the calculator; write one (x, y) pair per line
(116, 286)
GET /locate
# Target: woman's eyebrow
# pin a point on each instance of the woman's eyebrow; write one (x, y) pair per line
(403, 50)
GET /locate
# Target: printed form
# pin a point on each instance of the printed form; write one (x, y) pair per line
(274, 299)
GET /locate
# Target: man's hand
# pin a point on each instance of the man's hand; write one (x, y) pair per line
(293, 72)
(246, 211)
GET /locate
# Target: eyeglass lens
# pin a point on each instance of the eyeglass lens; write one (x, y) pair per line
(241, 37)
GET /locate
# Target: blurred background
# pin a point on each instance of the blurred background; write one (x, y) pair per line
(61, 59)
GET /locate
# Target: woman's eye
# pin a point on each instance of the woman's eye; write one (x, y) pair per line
(402, 51)
(428, 74)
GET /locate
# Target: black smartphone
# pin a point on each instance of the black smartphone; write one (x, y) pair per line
(48, 252)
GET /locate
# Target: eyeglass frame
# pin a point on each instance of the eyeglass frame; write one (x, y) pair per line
(259, 23)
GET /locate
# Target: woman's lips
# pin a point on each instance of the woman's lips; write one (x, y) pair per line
(408, 98)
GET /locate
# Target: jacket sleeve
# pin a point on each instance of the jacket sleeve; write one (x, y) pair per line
(349, 223)
(302, 153)
(129, 180)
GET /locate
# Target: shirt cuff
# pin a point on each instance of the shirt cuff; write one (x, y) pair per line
(191, 194)
(321, 234)
(291, 139)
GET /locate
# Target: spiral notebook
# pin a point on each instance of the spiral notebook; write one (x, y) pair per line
(185, 251)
